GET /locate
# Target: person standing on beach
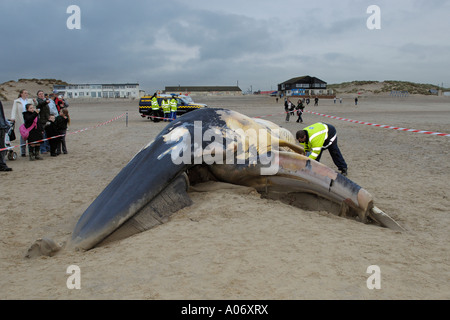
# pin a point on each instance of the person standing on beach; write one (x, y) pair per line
(44, 115)
(300, 108)
(36, 134)
(322, 136)
(173, 108)
(18, 108)
(287, 107)
(166, 108)
(4, 127)
(62, 122)
(51, 132)
(155, 108)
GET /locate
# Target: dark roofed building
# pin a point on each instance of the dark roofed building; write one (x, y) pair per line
(304, 86)
(207, 90)
(305, 82)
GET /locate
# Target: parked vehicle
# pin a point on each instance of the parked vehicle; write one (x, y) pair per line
(184, 105)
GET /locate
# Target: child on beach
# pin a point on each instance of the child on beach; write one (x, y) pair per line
(52, 131)
(35, 134)
(62, 121)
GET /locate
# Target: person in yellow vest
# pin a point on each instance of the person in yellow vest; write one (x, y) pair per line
(322, 136)
(166, 108)
(173, 108)
(155, 108)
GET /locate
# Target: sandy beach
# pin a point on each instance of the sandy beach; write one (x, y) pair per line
(231, 243)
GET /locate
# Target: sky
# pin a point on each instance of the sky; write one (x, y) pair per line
(255, 44)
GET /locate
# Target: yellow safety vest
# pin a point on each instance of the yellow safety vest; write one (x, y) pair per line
(165, 106)
(317, 134)
(173, 105)
(155, 105)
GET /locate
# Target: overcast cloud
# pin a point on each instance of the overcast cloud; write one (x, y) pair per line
(256, 44)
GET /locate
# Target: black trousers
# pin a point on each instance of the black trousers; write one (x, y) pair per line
(333, 148)
(2, 145)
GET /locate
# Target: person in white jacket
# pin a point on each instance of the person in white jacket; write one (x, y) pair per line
(17, 115)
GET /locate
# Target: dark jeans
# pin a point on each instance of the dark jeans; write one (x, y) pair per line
(288, 114)
(61, 143)
(45, 146)
(54, 143)
(23, 147)
(335, 152)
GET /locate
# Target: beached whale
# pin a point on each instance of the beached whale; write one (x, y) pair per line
(221, 145)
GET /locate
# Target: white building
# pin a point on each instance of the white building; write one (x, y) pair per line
(75, 91)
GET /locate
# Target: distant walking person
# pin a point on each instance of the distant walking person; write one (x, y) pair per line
(286, 109)
(300, 108)
(322, 136)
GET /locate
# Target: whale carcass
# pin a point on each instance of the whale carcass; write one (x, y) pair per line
(221, 145)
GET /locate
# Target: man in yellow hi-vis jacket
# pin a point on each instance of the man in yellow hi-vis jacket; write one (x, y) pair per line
(155, 109)
(173, 108)
(166, 109)
(322, 136)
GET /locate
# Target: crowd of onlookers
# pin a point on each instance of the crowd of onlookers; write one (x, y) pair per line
(40, 124)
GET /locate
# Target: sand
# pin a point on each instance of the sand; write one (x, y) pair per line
(231, 243)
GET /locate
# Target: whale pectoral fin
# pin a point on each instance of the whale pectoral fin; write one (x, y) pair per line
(156, 212)
(384, 220)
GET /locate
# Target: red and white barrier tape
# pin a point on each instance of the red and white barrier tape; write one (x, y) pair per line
(382, 125)
(62, 135)
(270, 115)
(370, 124)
